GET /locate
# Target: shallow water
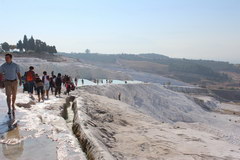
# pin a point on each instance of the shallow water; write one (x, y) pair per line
(14, 146)
(104, 82)
(17, 143)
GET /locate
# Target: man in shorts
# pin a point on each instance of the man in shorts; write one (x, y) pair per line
(11, 72)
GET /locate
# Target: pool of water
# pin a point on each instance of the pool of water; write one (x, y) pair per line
(14, 145)
(19, 144)
(86, 82)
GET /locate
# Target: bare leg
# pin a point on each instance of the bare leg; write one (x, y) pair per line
(56, 91)
(59, 91)
(47, 94)
(42, 96)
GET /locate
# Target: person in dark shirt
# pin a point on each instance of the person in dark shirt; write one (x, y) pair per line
(52, 83)
(58, 84)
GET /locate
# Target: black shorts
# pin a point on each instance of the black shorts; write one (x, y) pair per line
(40, 90)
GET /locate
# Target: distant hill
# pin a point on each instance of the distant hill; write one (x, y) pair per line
(112, 58)
(186, 70)
(153, 56)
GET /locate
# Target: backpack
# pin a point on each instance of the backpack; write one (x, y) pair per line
(72, 86)
(29, 76)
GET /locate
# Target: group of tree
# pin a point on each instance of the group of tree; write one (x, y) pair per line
(7, 47)
(35, 45)
(29, 45)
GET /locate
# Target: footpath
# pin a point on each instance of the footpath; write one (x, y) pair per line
(41, 132)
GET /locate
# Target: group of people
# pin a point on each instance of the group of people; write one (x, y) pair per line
(42, 85)
(10, 77)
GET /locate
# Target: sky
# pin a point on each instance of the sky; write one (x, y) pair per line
(195, 29)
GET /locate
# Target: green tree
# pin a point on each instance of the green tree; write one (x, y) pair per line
(38, 45)
(20, 45)
(52, 49)
(12, 47)
(35, 45)
(31, 43)
(5, 46)
(25, 43)
(87, 51)
(43, 47)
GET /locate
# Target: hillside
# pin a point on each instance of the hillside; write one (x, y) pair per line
(152, 122)
(202, 72)
(64, 65)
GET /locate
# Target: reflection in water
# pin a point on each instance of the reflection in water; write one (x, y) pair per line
(12, 146)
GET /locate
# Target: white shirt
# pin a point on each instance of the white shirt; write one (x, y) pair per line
(46, 81)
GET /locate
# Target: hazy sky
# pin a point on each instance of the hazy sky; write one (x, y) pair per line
(199, 29)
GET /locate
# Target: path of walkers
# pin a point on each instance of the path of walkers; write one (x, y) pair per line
(40, 133)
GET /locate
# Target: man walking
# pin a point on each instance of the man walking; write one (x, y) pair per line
(11, 73)
(46, 84)
(76, 81)
(58, 84)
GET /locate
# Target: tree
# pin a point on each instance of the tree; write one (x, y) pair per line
(5, 46)
(43, 47)
(20, 45)
(38, 45)
(25, 43)
(35, 45)
(12, 47)
(31, 44)
(52, 49)
(87, 51)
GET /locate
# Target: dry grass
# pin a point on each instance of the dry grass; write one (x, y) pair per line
(145, 66)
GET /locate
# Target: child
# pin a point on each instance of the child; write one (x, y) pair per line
(39, 88)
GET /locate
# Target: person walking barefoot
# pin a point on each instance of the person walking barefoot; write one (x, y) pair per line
(46, 84)
(11, 72)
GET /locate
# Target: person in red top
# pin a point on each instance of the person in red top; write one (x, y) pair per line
(68, 85)
(30, 78)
